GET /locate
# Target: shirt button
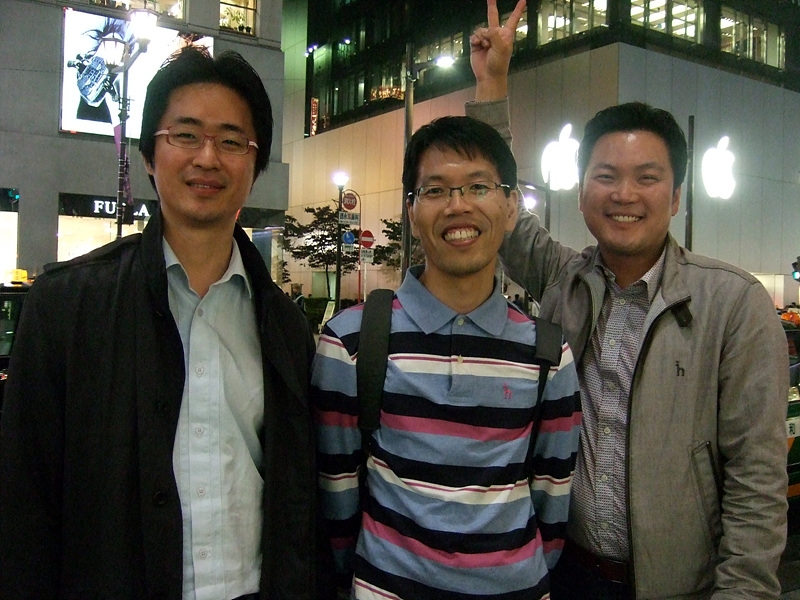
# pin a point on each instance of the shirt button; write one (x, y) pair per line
(612, 343)
(603, 478)
(203, 553)
(460, 321)
(610, 385)
(604, 525)
(199, 431)
(606, 430)
(621, 301)
(200, 369)
(201, 491)
(200, 312)
(460, 359)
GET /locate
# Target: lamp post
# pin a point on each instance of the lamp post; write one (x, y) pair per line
(412, 73)
(687, 235)
(119, 57)
(340, 180)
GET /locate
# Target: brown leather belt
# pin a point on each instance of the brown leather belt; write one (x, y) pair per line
(616, 571)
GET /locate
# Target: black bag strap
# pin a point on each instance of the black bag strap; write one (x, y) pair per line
(547, 356)
(373, 356)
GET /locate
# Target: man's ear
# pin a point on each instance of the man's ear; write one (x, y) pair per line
(676, 200)
(410, 210)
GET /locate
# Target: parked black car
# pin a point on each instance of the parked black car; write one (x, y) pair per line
(11, 298)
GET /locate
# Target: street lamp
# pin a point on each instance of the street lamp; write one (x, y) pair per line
(412, 74)
(119, 56)
(340, 179)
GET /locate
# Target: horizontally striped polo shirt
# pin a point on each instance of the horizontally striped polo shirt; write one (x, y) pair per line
(451, 513)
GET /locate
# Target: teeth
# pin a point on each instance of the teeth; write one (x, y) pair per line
(460, 234)
(624, 218)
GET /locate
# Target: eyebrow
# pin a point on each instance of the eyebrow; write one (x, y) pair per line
(199, 123)
(641, 167)
(479, 175)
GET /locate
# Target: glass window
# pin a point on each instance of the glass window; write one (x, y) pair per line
(679, 18)
(238, 15)
(173, 8)
(750, 37)
(559, 19)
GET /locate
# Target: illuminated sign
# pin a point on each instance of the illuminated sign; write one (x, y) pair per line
(90, 91)
(560, 161)
(717, 170)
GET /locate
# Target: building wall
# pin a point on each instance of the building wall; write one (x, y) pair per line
(755, 229)
(43, 162)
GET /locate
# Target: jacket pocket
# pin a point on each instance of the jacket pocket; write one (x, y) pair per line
(709, 492)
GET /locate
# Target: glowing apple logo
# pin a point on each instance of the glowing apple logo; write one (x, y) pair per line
(560, 161)
(717, 170)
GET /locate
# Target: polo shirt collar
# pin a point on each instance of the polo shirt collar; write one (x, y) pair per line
(430, 314)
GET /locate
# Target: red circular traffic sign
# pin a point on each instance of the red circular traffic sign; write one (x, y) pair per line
(349, 201)
(366, 239)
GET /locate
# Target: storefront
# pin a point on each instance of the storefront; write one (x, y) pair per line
(9, 204)
(86, 222)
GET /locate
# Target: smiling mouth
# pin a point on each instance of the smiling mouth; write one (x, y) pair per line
(455, 235)
(625, 218)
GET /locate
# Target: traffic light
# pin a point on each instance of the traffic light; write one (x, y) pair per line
(796, 269)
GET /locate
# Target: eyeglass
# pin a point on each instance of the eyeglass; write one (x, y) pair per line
(477, 191)
(189, 137)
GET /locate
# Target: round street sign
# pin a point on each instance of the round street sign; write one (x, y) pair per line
(348, 237)
(367, 239)
(349, 201)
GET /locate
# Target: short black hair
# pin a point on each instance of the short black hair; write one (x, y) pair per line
(465, 135)
(636, 116)
(194, 64)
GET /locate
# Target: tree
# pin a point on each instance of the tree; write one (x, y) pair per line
(390, 254)
(315, 243)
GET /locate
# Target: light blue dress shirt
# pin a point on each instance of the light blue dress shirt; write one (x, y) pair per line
(217, 454)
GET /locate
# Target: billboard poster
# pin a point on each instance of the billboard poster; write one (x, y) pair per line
(90, 91)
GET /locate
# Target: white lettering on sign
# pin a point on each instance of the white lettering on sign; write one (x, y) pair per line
(346, 218)
(109, 207)
(105, 206)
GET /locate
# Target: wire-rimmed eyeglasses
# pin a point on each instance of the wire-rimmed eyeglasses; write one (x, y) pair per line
(476, 191)
(192, 138)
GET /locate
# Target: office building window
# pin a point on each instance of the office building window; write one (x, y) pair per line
(173, 8)
(238, 15)
(750, 37)
(559, 19)
(451, 45)
(679, 18)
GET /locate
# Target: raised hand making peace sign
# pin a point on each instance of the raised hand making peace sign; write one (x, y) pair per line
(490, 52)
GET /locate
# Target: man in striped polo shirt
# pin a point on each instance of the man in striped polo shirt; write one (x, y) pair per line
(450, 513)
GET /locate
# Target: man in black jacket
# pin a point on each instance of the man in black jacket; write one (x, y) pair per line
(156, 440)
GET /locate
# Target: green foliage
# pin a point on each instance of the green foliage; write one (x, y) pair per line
(390, 254)
(315, 243)
(283, 273)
